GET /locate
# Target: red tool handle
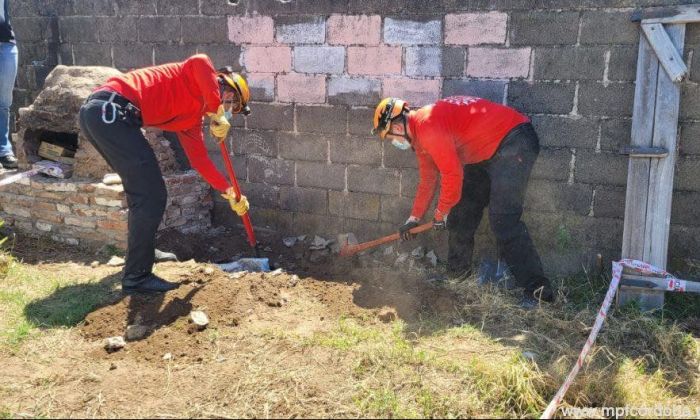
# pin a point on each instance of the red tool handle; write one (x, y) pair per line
(354, 249)
(234, 183)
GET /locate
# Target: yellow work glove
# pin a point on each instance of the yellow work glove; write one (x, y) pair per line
(218, 124)
(240, 206)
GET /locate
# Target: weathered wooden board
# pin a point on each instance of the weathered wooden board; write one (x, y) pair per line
(666, 51)
(675, 14)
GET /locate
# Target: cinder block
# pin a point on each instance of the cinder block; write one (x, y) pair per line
(205, 29)
(225, 55)
(552, 164)
(614, 133)
(623, 63)
(685, 209)
(476, 28)
(687, 174)
(300, 30)
(409, 182)
(408, 32)
(262, 86)
(254, 142)
(353, 91)
(250, 30)
(173, 53)
(354, 30)
(395, 158)
(276, 59)
(690, 135)
(690, 101)
(158, 29)
(544, 28)
(374, 60)
(549, 196)
(569, 63)
(360, 120)
(304, 147)
(373, 180)
(600, 168)
(615, 100)
(270, 171)
(308, 224)
(319, 59)
(322, 119)
(566, 131)
(301, 88)
(415, 91)
(31, 29)
(92, 54)
(498, 63)
(78, 29)
(125, 57)
(603, 27)
(396, 209)
(271, 117)
(487, 89)
(610, 202)
(423, 61)
(305, 200)
(321, 175)
(542, 97)
(359, 150)
(354, 205)
(177, 7)
(453, 61)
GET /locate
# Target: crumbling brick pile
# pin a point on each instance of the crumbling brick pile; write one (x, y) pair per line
(82, 209)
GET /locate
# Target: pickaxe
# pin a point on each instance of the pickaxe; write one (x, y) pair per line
(347, 251)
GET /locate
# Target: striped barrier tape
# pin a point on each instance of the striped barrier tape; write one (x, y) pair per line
(617, 266)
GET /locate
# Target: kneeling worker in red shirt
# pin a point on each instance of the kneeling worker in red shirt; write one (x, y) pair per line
(173, 97)
(484, 153)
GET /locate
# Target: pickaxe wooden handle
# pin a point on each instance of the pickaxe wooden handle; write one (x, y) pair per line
(347, 251)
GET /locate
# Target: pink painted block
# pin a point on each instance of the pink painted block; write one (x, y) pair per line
(354, 30)
(267, 59)
(416, 92)
(301, 88)
(374, 60)
(498, 63)
(476, 28)
(250, 30)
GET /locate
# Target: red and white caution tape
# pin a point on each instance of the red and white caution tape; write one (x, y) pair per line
(16, 177)
(644, 268)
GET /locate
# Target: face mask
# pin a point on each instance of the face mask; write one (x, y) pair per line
(403, 145)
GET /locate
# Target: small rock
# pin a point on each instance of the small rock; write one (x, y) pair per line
(267, 249)
(208, 271)
(114, 343)
(168, 356)
(213, 249)
(418, 252)
(115, 261)
(387, 315)
(301, 238)
(403, 257)
(112, 366)
(530, 356)
(293, 281)
(432, 258)
(94, 264)
(289, 242)
(238, 274)
(200, 319)
(276, 273)
(136, 332)
(318, 243)
(389, 250)
(220, 358)
(111, 179)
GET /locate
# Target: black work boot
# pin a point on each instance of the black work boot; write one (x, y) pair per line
(165, 256)
(150, 283)
(8, 162)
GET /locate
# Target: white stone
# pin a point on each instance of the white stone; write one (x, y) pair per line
(44, 227)
(318, 243)
(289, 242)
(530, 356)
(208, 271)
(417, 252)
(389, 250)
(238, 274)
(108, 202)
(115, 261)
(200, 319)
(94, 264)
(403, 257)
(168, 356)
(432, 258)
(114, 343)
(276, 273)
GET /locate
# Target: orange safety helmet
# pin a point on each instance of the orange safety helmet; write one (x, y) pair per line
(386, 111)
(229, 78)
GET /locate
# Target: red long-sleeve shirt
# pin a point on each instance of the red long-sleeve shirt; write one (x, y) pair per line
(175, 97)
(454, 132)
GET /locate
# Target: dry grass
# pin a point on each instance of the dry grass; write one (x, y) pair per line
(492, 359)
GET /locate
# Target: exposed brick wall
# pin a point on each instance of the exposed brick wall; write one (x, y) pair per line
(317, 68)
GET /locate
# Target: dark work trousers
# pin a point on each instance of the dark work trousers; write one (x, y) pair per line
(500, 184)
(127, 151)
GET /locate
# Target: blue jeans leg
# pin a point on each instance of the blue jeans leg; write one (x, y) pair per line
(8, 73)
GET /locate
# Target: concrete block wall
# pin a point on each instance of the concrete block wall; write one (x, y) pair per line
(318, 67)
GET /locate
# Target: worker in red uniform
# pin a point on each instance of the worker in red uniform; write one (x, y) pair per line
(484, 153)
(173, 97)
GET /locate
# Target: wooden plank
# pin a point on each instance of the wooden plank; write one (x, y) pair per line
(643, 152)
(678, 14)
(666, 50)
(662, 170)
(638, 172)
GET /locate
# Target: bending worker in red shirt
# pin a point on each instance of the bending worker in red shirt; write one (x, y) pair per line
(484, 153)
(173, 97)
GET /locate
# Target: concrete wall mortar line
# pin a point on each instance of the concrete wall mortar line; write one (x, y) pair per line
(572, 167)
